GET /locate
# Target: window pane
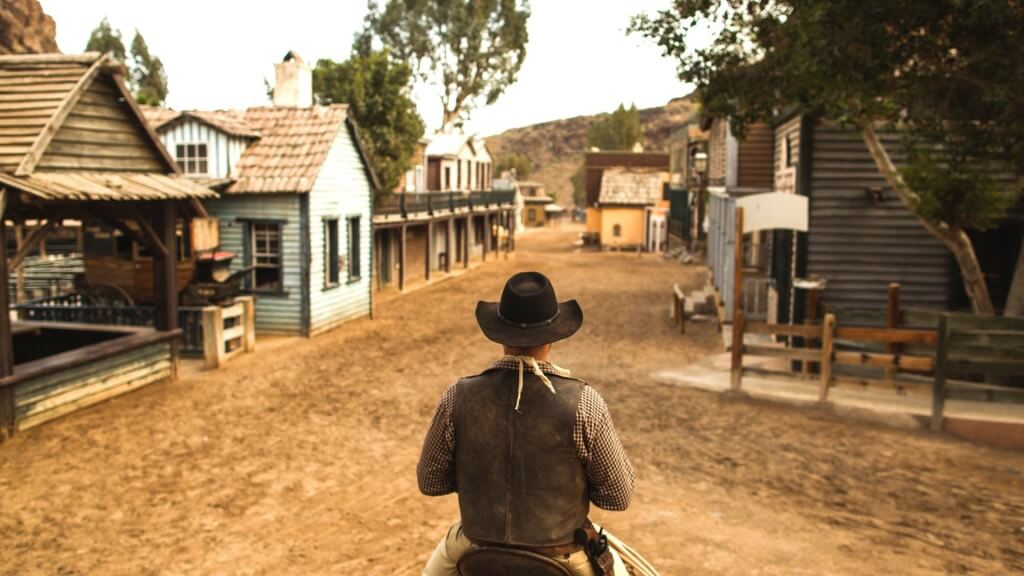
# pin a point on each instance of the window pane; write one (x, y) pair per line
(201, 151)
(179, 151)
(353, 249)
(202, 167)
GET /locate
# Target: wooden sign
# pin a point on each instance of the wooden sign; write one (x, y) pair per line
(773, 211)
(205, 234)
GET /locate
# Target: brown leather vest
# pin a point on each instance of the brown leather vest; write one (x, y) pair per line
(520, 481)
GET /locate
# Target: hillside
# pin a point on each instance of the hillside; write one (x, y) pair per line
(557, 147)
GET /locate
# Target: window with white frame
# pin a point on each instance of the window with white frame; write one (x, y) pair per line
(265, 255)
(192, 158)
(332, 254)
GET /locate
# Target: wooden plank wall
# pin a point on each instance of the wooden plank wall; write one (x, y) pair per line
(223, 150)
(275, 313)
(101, 133)
(755, 158)
(341, 190)
(47, 397)
(28, 99)
(861, 247)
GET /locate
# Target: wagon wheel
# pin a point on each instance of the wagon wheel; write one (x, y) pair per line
(107, 295)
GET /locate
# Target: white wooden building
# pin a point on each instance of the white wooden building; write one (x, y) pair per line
(296, 196)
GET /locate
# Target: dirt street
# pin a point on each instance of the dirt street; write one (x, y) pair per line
(300, 459)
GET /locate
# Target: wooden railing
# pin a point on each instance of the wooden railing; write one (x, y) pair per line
(438, 202)
(192, 320)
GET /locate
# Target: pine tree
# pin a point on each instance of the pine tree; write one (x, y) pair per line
(149, 81)
(106, 39)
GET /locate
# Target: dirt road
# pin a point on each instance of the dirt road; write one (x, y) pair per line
(300, 459)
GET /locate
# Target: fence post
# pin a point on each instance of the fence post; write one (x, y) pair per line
(828, 327)
(737, 350)
(810, 316)
(8, 413)
(939, 389)
(892, 320)
(213, 336)
(249, 320)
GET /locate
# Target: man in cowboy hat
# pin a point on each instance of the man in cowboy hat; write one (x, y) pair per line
(526, 447)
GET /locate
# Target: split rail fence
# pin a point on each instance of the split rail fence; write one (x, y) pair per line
(949, 355)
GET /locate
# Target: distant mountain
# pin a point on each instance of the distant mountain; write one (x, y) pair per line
(557, 147)
(25, 28)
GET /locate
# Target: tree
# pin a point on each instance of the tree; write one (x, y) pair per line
(620, 130)
(518, 162)
(376, 89)
(106, 39)
(146, 76)
(945, 74)
(149, 81)
(472, 48)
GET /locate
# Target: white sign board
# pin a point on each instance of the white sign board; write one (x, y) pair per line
(773, 211)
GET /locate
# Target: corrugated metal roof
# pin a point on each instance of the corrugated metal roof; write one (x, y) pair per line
(106, 186)
(622, 186)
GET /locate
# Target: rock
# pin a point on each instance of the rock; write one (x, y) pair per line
(26, 29)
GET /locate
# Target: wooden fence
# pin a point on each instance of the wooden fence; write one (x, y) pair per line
(198, 324)
(960, 355)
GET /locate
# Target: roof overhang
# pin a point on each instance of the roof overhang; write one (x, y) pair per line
(106, 186)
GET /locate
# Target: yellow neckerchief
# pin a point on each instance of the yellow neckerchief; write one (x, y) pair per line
(535, 368)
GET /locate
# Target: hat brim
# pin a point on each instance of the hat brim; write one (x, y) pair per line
(569, 320)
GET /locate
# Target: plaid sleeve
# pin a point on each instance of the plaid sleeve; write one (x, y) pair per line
(598, 446)
(436, 469)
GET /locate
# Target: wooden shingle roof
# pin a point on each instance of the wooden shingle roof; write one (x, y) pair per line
(631, 187)
(291, 149)
(70, 130)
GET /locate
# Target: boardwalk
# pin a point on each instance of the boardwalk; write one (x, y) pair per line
(300, 459)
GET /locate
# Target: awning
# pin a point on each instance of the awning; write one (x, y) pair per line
(106, 186)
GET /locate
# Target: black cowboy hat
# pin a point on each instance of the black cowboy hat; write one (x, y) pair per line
(529, 314)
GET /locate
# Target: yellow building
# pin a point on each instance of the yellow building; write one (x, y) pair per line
(631, 209)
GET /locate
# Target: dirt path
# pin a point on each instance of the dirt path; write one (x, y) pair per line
(300, 459)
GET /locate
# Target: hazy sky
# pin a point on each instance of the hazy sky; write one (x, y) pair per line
(218, 52)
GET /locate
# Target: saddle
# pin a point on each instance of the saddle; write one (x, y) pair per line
(495, 561)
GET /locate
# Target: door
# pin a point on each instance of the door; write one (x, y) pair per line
(385, 258)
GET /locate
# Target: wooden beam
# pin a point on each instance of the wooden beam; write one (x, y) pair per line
(891, 362)
(828, 328)
(401, 257)
(805, 330)
(35, 152)
(736, 381)
(465, 242)
(430, 249)
(152, 239)
(34, 237)
(939, 388)
(165, 269)
(449, 231)
(885, 335)
(779, 352)
(7, 411)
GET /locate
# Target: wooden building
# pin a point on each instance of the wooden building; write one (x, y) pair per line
(861, 238)
(625, 201)
(457, 161)
(535, 203)
(737, 167)
(296, 200)
(74, 146)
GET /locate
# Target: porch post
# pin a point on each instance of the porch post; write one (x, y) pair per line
(430, 248)
(448, 245)
(401, 258)
(6, 344)
(487, 234)
(465, 243)
(165, 268)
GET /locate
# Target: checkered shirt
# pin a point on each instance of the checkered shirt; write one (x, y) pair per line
(609, 473)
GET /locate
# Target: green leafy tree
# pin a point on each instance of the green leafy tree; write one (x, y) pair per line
(473, 49)
(620, 130)
(105, 38)
(579, 191)
(518, 162)
(376, 89)
(149, 81)
(945, 74)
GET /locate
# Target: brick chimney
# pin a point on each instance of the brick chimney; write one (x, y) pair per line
(294, 82)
